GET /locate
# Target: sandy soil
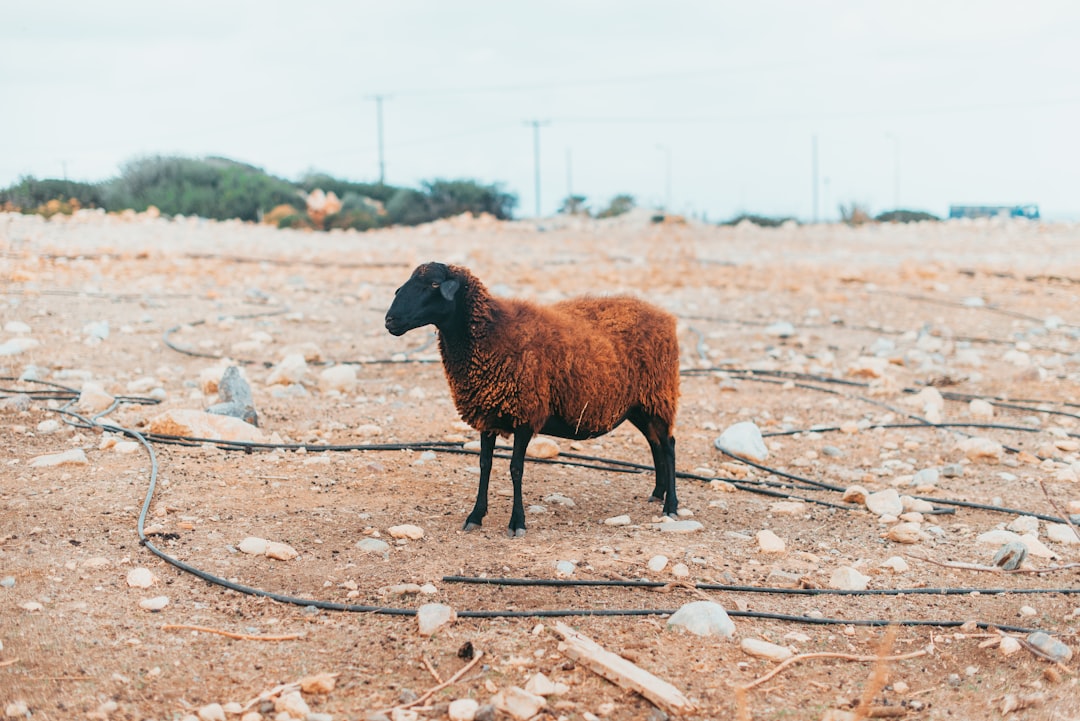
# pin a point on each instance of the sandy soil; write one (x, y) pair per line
(974, 310)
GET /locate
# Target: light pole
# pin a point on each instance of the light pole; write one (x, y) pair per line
(896, 170)
(536, 125)
(379, 129)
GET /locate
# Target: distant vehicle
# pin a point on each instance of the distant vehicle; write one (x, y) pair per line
(1031, 212)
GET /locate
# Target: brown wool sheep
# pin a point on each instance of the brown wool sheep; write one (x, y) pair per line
(574, 369)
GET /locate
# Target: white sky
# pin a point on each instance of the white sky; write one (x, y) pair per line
(924, 102)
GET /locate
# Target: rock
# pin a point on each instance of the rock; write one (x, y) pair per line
(96, 562)
(847, 578)
(1062, 533)
(413, 533)
(855, 494)
(254, 545)
(702, 618)
(565, 568)
(96, 330)
(94, 399)
(679, 526)
(926, 477)
(617, 521)
(763, 649)
(907, 533)
(778, 578)
(895, 563)
(31, 606)
(979, 449)
(680, 570)
(367, 430)
(74, 457)
(769, 542)
(199, 424)
(433, 616)
(885, 503)
(293, 704)
(780, 329)
(658, 563)
(48, 426)
(788, 508)
(518, 702)
(463, 709)
(140, 578)
(236, 399)
(211, 712)
(17, 710)
(929, 401)
(542, 447)
(291, 370)
(340, 378)
(541, 685)
(154, 604)
(280, 551)
(559, 500)
(16, 327)
(1054, 649)
(403, 589)
(373, 545)
(1010, 556)
(999, 537)
(15, 346)
(1024, 524)
(1009, 646)
(981, 410)
(743, 440)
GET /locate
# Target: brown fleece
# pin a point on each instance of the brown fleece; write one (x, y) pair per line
(586, 361)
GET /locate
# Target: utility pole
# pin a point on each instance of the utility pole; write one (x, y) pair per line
(667, 177)
(379, 128)
(814, 171)
(896, 170)
(536, 125)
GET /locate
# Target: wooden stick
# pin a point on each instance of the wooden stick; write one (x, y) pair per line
(435, 689)
(991, 569)
(877, 677)
(9, 662)
(230, 634)
(830, 654)
(1042, 484)
(620, 671)
(431, 669)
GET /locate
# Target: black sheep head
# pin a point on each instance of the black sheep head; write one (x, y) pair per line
(428, 296)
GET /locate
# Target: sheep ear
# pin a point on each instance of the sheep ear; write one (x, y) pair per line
(449, 288)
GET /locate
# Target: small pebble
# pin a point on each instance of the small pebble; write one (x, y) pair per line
(1050, 646)
(463, 709)
(409, 531)
(433, 616)
(656, 564)
(140, 578)
(848, 579)
(769, 542)
(702, 618)
(617, 521)
(154, 604)
(764, 649)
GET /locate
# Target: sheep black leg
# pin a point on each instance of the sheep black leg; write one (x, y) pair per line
(522, 436)
(487, 450)
(671, 502)
(662, 445)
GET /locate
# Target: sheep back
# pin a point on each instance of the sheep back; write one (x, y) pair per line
(586, 361)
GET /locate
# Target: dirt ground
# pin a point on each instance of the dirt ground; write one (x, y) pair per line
(975, 310)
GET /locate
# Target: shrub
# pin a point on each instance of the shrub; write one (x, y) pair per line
(409, 207)
(620, 204)
(763, 220)
(357, 212)
(343, 188)
(573, 205)
(905, 216)
(447, 198)
(30, 194)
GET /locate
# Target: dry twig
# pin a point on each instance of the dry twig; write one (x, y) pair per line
(878, 676)
(435, 689)
(831, 654)
(230, 634)
(991, 569)
(1057, 509)
(431, 669)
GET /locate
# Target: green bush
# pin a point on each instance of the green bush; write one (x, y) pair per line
(620, 204)
(904, 216)
(763, 220)
(447, 198)
(342, 188)
(30, 193)
(356, 213)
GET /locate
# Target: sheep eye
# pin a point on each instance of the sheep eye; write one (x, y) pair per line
(435, 285)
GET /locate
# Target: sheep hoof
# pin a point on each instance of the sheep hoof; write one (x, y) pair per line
(469, 526)
(673, 516)
(515, 532)
(654, 499)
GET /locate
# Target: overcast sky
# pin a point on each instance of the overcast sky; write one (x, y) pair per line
(712, 106)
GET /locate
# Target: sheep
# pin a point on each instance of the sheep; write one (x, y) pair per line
(575, 369)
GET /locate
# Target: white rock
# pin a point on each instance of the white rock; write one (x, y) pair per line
(49, 425)
(1000, 537)
(559, 499)
(280, 551)
(788, 508)
(895, 563)
(855, 494)
(1050, 646)
(518, 702)
(341, 378)
(769, 542)
(140, 578)
(98, 329)
(199, 424)
(847, 578)
(96, 562)
(292, 703)
(1024, 524)
(254, 545)
(981, 410)
(1009, 645)
(907, 533)
(17, 710)
(93, 398)
(763, 649)
(31, 606)
(780, 329)
(367, 430)
(927, 400)
(916, 505)
(679, 526)
(926, 477)
(986, 450)
(463, 709)
(565, 568)
(74, 457)
(702, 618)
(1061, 533)
(127, 447)
(15, 346)
(743, 440)
(154, 604)
(542, 447)
(658, 563)
(373, 545)
(540, 685)
(680, 570)
(406, 530)
(292, 369)
(623, 520)
(433, 616)
(211, 712)
(885, 503)
(16, 327)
